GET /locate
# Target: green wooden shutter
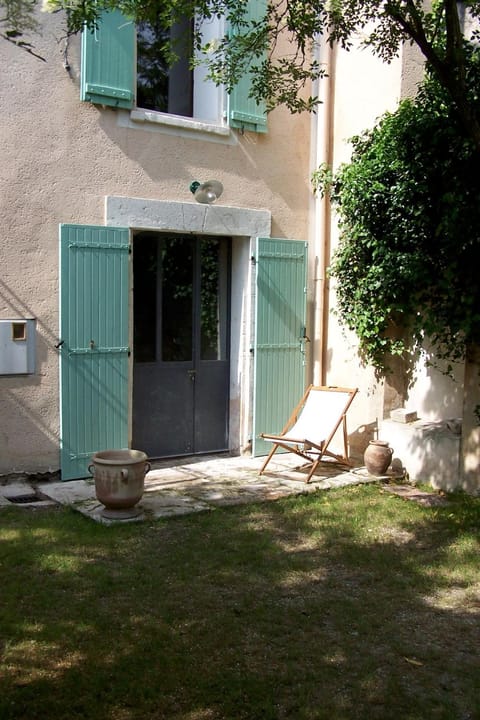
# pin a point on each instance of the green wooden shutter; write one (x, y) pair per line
(243, 111)
(108, 73)
(280, 316)
(94, 352)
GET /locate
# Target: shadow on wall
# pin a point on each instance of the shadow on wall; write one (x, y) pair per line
(359, 439)
(27, 440)
(443, 398)
(430, 447)
(430, 451)
(167, 157)
(430, 388)
(443, 447)
(46, 339)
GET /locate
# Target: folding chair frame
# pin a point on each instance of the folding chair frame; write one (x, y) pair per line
(320, 450)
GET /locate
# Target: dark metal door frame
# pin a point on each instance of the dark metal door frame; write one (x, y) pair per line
(181, 390)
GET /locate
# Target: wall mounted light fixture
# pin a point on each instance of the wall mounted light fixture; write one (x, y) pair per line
(206, 192)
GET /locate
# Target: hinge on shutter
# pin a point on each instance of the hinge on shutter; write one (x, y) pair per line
(253, 260)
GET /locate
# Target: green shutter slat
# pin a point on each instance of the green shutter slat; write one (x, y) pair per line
(94, 264)
(243, 111)
(108, 62)
(280, 319)
(109, 92)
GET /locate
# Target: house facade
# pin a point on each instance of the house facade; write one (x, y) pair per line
(132, 315)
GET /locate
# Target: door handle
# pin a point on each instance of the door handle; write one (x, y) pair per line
(191, 374)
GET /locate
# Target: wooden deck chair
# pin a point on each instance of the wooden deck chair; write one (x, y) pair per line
(313, 424)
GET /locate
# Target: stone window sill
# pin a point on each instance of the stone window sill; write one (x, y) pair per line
(151, 117)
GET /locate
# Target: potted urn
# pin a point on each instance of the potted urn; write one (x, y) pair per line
(119, 481)
(377, 457)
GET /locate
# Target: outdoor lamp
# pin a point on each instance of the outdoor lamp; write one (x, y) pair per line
(206, 192)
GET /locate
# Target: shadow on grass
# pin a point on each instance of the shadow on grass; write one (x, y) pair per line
(349, 604)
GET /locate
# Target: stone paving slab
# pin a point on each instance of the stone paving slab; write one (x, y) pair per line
(146, 509)
(22, 494)
(174, 487)
(16, 489)
(429, 499)
(70, 492)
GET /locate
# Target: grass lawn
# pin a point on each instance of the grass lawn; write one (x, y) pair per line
(346, 604)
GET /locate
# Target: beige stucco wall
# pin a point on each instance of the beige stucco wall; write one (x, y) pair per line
(362, 88)
(60, 158)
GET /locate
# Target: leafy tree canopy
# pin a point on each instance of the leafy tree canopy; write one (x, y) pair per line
(282, 76)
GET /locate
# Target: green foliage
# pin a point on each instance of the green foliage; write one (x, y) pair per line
(280, 50)
(407, 264)
(322, 179)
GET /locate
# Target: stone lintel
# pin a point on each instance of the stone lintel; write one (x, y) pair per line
(186, 217)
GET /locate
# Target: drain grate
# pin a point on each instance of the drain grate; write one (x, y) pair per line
(27, 498)
(22, 499)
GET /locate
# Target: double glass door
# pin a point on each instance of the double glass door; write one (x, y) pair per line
(181, 374)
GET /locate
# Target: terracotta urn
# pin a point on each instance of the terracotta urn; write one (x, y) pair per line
(377, 457)
(119, 481)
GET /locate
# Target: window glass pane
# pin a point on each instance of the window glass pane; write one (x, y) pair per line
(213, 299)
(162, 87)
(152, 67)
(177, 295)
(145, 298)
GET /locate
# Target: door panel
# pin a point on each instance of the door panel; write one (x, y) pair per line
(211, 428)
(280, 317)
(162, 410)
(181, 369)
(94, 349)
(163, 304)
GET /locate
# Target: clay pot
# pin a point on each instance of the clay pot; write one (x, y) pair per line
(377, 457)
(119, 480)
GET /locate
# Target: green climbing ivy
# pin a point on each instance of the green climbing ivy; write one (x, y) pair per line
(407, 267)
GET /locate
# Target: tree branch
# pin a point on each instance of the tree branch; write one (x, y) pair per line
(450, 70)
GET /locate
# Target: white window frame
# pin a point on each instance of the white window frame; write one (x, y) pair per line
(209, 102)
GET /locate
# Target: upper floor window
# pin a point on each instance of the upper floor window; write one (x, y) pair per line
(125, 66)
(162, 87)
(177, 89)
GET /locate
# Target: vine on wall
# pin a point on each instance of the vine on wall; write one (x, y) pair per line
(407, 267)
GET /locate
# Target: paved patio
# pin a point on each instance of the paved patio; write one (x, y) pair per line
(186, 485)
